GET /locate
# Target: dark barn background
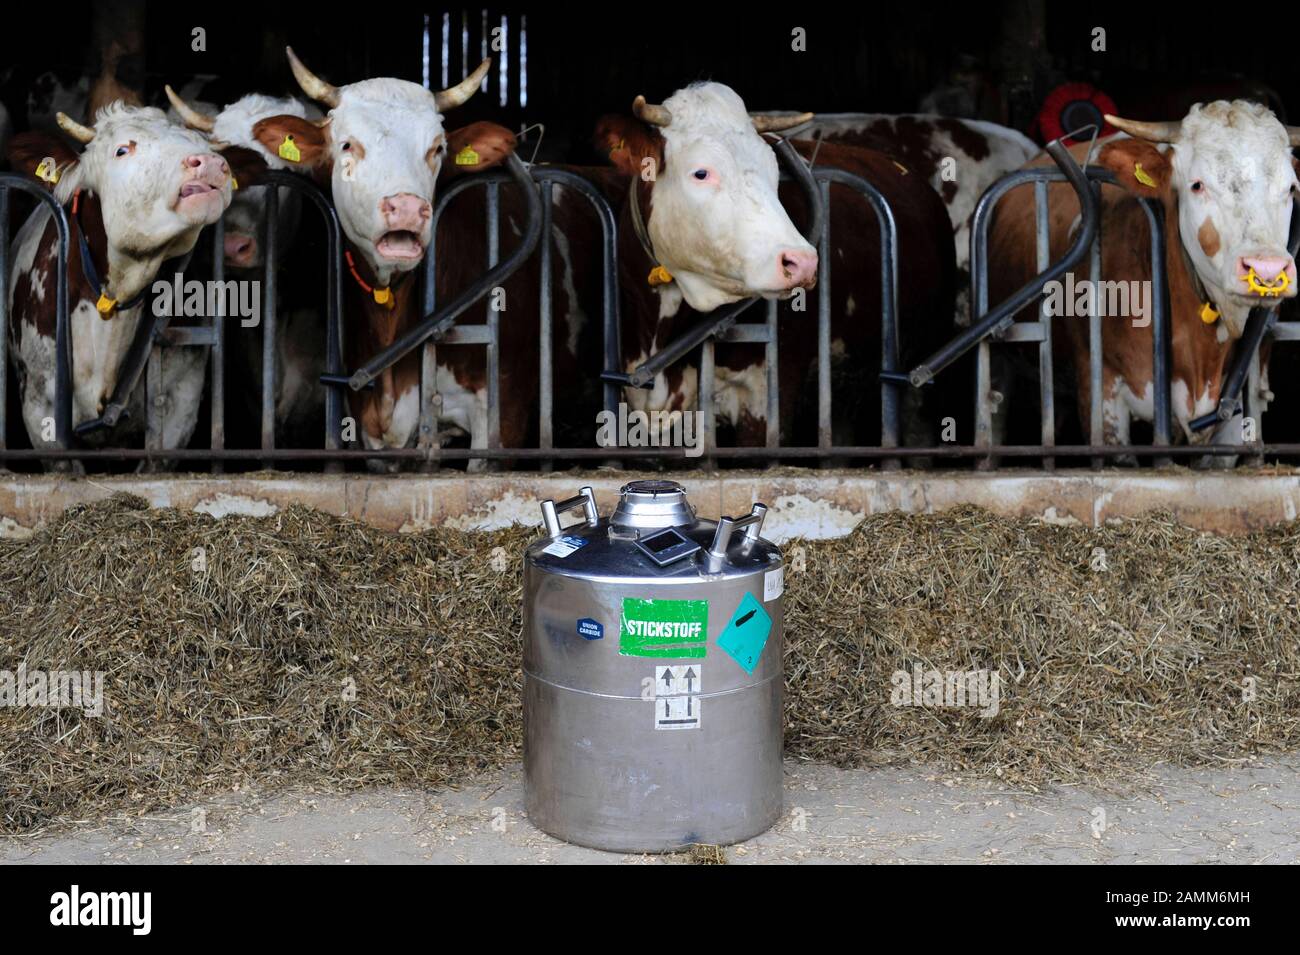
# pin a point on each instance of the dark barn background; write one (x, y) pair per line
(585, 60)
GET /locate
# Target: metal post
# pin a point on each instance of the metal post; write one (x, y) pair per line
(269, 323)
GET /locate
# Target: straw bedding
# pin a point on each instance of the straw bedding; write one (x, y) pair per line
(302, 649)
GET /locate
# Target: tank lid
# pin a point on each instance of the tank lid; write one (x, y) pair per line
(645, 504)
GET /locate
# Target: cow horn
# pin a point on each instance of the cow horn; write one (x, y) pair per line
(1293, 133)
(1152, 132)
(193, 118)
(651, 113)
(453, 96)
(82, 134)
(311, 84)
(775, 124)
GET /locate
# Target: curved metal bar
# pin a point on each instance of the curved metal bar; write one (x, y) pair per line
(62, 330)
(436, 325)
(1005, 313)
(719, 320)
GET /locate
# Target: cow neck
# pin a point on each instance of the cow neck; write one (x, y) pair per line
(106, 306)
(1208, 312)
(658, 274)
(383, 295)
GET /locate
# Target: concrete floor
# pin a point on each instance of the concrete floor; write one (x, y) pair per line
(1239, 815)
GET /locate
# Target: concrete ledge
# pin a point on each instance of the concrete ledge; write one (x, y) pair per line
(810, 503)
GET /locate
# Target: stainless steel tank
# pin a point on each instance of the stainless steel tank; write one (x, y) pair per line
(652, 674)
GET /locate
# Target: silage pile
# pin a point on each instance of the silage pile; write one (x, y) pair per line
(303, 649)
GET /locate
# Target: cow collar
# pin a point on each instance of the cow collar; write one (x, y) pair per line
(107, 307)
(658, 275)
(382, 296)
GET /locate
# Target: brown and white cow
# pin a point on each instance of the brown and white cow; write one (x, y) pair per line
(382, 149)
(143, 189)
(959, 158)
(716, 177)
(1225, 178)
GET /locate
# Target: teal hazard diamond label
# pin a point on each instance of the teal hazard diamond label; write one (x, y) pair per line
(746, 633)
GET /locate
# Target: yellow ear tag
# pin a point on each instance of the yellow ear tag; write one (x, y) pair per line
(48, 170)
(659, 276)
(467, 157)
(384, 296)
(289, 150)
(1143, 177)
(234, 183)
(1208, 314)
(106, 306)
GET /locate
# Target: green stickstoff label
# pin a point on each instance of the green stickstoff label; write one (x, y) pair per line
(664, 628)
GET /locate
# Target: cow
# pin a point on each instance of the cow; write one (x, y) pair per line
(300, 325)
(140, 191)
(1225, 180)
(382, 149)
(716, 222)
(959, 158)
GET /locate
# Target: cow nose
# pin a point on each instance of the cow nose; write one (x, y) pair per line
(206, 165)
(1268, 271)
(797, 268)
(405, 211)
(240, 249)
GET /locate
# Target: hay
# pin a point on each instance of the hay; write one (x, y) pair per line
(314, 651)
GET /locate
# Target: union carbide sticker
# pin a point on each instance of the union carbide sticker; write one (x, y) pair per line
(773, 584)
(591, 629)
(746, 633)
(564, 546)
(677, 629)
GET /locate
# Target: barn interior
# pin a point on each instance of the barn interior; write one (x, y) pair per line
(1007, 62)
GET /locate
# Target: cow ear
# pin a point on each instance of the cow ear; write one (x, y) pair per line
(627, 142)
(1139, 166)
(42, 156)
(295, 140)
(476, 147)
(246, 165)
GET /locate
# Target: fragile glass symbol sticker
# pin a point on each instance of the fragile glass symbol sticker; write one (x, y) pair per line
(664, 628)
(746, 633)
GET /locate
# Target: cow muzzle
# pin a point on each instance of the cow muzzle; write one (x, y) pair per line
(407, 218)
(796, 268)
(1266, 276)
(240, 250)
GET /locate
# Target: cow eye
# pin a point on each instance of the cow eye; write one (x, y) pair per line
(346, 147)
(701, 174)
(125, 150)
(1198, 186)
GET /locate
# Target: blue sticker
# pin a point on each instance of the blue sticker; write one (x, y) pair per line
(591, 629)
(746, 633)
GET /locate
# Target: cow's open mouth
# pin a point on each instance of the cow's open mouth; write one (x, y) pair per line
(400, 244)
(196, 188)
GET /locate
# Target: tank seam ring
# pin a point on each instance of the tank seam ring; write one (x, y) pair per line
(641, 699)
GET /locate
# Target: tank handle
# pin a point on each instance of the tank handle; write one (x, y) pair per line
(752, 525)
(551, 511)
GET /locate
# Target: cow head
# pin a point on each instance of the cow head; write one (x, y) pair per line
(1227, 168)
(382, 146)
(716, 223)
(158, 185)
(231, 130)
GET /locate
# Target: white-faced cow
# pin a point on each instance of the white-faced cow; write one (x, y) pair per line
(716, 222)
(300, 325)
(382, 149)
(139, 193)
(1225, 178)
